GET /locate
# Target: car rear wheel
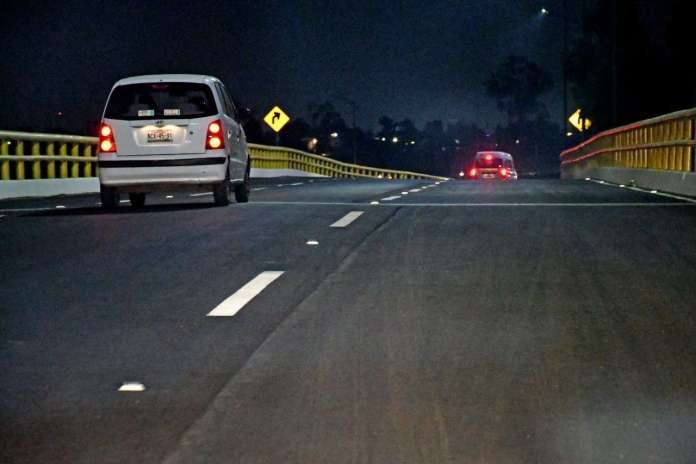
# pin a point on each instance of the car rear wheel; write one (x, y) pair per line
(241, 191)
(222, 192)
(137, 199)
(109, 197)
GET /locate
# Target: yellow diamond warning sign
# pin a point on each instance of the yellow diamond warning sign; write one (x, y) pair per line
(276, 119)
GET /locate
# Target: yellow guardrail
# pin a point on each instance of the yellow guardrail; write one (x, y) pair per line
(267, 157)
(666, 143)
(28, 155)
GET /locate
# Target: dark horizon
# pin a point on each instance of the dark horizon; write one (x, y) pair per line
(422, 63)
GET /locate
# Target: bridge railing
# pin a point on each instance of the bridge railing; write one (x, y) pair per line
(665, 143)
(268, 157)
(27, 155)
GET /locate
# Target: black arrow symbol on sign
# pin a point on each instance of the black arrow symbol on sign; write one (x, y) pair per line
(276, 115)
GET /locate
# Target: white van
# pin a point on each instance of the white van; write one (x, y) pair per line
(171, 132)
(493, 165)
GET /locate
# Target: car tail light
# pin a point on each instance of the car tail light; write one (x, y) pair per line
(473, 172)
(504, 172)
(107, 143)
(214, 139)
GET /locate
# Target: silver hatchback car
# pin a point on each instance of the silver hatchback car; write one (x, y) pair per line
(171, 132)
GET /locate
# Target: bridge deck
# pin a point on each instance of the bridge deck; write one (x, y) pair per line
(535, 321)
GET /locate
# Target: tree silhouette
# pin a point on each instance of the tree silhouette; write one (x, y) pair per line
(517, 85)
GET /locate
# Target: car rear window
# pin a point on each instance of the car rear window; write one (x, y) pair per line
(492, 162)
(161, 100)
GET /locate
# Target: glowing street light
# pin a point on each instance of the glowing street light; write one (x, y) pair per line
(334, 135)
(544, 11)
(395, 139)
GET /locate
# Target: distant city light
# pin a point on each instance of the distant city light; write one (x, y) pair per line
(517, 141)
(395, 139)
(569, 134)
(334, 135)
(544, 11)
(456, 141)
(312, 144)
(412, 142)
(384, 139)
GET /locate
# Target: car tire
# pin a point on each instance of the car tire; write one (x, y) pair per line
(241, 191)
(137, 200)
(222, 192)
(109, 197)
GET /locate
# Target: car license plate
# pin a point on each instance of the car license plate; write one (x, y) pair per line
(160, 136)
(488, 176)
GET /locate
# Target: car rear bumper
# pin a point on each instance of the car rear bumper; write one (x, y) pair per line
(161, 171)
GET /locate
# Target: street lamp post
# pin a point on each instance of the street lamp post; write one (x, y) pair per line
(354, 108)
(565, 66)
(564, 59)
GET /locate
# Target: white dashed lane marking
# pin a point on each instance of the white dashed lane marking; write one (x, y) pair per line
(235, 302)
(132, 387)
(638, 189)
(346, 220)
(395, 197)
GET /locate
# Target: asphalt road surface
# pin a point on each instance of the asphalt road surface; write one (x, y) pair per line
(459, 322)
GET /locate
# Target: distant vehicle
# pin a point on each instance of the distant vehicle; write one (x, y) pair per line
(491, 165)
(171, 132)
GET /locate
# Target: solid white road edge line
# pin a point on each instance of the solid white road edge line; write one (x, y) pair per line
(347, 219)
(235, 302)
(201, 194)
(544, 205)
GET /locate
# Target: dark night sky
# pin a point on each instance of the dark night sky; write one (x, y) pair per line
(417, 59)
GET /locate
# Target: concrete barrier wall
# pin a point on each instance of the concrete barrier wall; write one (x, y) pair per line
(683, 183)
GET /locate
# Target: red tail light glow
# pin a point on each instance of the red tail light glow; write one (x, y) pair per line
(107, 143)
(473, 172)
(214, 140)
(489, 157)
(504, 172)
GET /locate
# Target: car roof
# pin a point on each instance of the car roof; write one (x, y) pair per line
(193, 78)
(499, 154)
